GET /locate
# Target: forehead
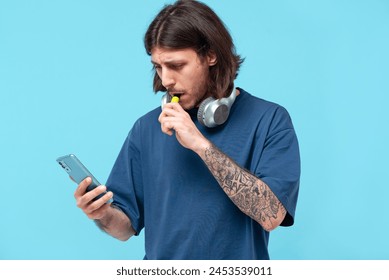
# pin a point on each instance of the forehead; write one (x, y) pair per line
(164, 55)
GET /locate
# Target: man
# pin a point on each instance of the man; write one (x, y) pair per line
(210, 191)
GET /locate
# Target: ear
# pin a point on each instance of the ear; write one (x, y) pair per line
(211, 58)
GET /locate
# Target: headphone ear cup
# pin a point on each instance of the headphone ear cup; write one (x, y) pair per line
(213, 112)
(220, 113)
(221, 108)
(204, 115)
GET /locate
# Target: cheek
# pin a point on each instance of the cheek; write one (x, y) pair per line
(200, 74)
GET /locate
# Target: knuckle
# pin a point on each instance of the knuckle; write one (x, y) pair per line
(79, 203)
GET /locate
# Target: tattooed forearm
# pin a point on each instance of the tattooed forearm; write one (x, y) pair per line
(250, 194)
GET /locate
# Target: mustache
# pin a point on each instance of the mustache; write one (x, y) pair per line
(175, 92)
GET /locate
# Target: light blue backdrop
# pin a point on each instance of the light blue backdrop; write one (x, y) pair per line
(74, 77)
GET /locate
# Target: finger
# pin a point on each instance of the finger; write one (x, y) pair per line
(168, 125)
(86, 199)
(92, 194)
(92, 207)
(81, 189)
(172, 108)
(173, 105)
(167, 113)
(98, 213)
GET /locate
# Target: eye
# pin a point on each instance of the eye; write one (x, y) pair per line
(176, 67)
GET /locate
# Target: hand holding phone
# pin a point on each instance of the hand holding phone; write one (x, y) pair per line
(78, 172)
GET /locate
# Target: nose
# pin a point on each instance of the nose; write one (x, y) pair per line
(167, 78)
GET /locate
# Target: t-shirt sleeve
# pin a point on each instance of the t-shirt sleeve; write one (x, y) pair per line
(125, 181)
(279, 162)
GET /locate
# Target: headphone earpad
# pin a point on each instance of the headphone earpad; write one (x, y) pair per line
(212, 112)
(220, 113)
(203, 114)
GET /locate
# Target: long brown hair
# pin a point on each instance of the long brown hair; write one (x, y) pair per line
(192, 24)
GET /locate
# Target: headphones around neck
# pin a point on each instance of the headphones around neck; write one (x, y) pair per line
(212, 112)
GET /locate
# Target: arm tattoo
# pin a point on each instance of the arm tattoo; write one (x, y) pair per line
(251, 195)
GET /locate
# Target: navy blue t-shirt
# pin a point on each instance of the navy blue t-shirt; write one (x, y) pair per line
(168, 191)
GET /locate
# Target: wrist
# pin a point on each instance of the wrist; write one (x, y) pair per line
(105, 217)
(202, 146)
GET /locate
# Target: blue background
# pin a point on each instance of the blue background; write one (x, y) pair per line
(74, 77)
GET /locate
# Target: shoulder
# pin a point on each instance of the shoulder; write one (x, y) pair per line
(144, 127)
(148, 119)
(260, 108)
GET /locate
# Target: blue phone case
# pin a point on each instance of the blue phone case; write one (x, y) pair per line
(73, 166)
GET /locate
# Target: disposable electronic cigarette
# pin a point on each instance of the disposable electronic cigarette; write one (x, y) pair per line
(175, 99)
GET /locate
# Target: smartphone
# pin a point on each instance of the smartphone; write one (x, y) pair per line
(78, 172)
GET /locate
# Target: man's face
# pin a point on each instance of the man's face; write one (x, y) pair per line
(183, 73)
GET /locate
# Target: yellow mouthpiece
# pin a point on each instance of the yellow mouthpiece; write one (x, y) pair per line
(175, 99)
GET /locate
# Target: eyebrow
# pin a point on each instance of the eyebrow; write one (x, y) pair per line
(170, 62)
